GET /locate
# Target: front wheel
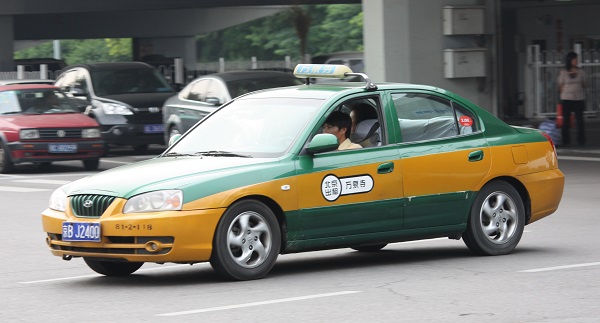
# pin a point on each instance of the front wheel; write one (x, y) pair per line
(91, 164)
(246, 242)
(113, 268)
(6, 164)
(497, 220)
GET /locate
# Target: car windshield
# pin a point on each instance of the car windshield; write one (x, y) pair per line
(35, 101)
(139, 80)
(249, 128)
(239, 87)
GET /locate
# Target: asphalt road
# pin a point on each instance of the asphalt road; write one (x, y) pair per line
(553, 275)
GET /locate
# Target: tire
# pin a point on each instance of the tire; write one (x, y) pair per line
(6, 164)
(140, 149)
(113, 268)
(497, 220)
(247, 241)
(371, 248)
(91, 164)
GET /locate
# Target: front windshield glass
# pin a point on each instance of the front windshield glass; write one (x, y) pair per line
(249, 128)
(35, 101)
(139, 80)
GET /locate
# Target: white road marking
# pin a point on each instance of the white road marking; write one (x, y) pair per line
(21, 189)
(97, 275)
(275, 301)
(427, 240)
(560, 267)
(578, 158)
(42, 181)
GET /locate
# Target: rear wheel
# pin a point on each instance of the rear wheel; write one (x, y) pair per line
(113, 268)
(497, 220)
(371, 248)
(246, 242)
(6, 164)
(91, 164)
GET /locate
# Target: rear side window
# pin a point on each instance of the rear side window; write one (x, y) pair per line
(429, 117)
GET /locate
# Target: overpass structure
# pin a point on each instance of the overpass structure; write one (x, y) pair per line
(477, 48)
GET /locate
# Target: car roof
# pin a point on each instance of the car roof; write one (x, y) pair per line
(13, 87)
(28, 81)
(111, 66)
(244, 75)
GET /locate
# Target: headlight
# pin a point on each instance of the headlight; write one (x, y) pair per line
(90, 133)
(29, 134)
(166, 200)
(58, 200)
(114, 108)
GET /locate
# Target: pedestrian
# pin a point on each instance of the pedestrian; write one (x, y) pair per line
(571, 85)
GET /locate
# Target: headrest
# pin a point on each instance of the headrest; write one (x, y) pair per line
(366, 131)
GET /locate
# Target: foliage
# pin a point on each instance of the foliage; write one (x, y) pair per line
(83, 51)
(332, 28)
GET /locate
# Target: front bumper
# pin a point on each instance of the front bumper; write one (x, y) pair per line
(132, 134)
(38, 152)
(171, 236)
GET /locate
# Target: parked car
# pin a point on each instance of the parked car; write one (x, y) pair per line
(259, 177)
(205, 94)
(40, 124)
(125, 98)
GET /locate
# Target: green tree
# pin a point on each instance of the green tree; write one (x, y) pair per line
(76, 51)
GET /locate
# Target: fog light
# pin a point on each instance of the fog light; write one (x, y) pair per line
(153, 246)
(117, 132)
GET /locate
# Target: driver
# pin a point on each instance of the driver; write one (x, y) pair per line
(339, 124)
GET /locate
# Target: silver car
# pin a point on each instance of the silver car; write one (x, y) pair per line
(205, 94)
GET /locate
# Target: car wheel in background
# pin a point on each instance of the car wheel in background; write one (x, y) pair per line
(112, 268)
(496, 221)
(371, 248)
(6, 164)
(247, 241)
(140, 148)
(91, 164)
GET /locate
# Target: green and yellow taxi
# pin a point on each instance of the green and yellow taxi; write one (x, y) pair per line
(260, 177)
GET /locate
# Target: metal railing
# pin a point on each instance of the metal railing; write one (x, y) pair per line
(541, 89)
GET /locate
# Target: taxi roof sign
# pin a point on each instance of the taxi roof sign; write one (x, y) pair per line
(321, 71)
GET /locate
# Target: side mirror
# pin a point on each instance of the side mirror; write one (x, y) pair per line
(77, 92)
(213, 101)
(322, 143)
(174, 139)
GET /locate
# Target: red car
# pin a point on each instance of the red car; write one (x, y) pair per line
(40, 124)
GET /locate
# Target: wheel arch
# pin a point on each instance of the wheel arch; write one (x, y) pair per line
(277, 210)
(521, 189)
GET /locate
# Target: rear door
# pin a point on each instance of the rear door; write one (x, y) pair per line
(444, 158)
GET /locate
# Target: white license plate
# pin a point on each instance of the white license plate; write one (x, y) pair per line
(81, 231)
(154, 128)
(62, 148)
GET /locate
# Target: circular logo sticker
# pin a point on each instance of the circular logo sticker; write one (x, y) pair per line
(465, 121)
(331, 188)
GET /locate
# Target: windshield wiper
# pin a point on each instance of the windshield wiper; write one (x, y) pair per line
(12, 112)
(221, 153)
(174, 154)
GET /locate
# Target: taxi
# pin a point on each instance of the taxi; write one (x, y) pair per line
(267, 174)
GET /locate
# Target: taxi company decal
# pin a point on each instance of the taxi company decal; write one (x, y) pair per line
(333, 187)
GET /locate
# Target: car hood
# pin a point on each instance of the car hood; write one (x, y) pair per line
(141, 100)
(196, 176)
(62, 120)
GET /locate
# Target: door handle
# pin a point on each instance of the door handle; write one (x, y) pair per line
(476, 155)
(385, 168)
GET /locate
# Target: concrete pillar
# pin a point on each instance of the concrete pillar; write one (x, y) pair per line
(404, 42)
(7, 40)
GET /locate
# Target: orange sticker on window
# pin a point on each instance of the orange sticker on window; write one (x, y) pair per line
(465, 121)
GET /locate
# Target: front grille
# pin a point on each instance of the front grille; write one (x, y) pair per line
(90, 205)
(59, 133)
